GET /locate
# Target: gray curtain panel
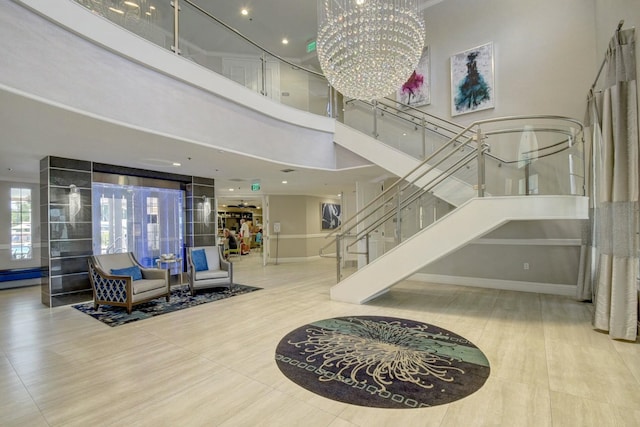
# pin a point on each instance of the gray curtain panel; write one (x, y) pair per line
(610, 258)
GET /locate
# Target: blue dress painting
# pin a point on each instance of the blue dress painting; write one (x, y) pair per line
(472, 78)
(473, 90)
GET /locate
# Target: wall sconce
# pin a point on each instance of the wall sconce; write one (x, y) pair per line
(75, 203)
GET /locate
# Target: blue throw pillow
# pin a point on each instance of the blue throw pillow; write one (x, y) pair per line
(199, 260)
(133, 271)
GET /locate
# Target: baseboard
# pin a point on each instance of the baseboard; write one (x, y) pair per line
(294, 259)
(20, 283)
(507, 285)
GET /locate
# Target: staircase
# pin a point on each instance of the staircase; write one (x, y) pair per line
(529, 182)
(464, 225)
(454, 192)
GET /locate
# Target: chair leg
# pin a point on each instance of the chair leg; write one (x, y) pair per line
(95, 305)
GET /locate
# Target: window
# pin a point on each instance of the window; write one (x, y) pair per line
(21, 223)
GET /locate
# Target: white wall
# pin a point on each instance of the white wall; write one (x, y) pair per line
(544, 53)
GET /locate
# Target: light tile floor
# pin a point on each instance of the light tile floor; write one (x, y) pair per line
(213, 365)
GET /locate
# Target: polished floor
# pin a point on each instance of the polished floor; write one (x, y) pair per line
(213, 365)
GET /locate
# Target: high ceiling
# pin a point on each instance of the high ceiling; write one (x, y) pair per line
(268, 22)
(32, 129)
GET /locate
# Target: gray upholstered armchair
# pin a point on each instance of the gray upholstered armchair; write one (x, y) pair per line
(118, 279)
(207, 268)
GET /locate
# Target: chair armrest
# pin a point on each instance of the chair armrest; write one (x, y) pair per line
(225, 265)
(154, 273)
(108, 287)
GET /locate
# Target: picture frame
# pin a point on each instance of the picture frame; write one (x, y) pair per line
(331, 215)
(472, 80)
(416, 91)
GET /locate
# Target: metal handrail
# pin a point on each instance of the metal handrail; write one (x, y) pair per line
(399, 114)
(414, 196)
(346, 228)
(452, 141)
(405, 107)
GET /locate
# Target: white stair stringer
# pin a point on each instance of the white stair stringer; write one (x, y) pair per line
(453, 191)
(470, 221)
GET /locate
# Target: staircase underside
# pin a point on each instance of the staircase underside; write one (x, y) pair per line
(454, 191)
(467, 223)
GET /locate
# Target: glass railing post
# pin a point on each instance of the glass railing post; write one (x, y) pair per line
(176, 32)
(584, 167)
(375, 119)
(423, 125)
(338, 259)
(263, 74)
(399, 219)
(338, 105)
(481, 173)
(367, 248)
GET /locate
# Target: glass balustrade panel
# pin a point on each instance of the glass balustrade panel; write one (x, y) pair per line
(150, 19)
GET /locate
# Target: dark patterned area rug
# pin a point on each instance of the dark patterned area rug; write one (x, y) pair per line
(382, 362)
(180, 299)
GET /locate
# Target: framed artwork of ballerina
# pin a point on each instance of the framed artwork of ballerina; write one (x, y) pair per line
(472, 81)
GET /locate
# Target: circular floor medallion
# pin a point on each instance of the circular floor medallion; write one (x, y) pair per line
(382, 362)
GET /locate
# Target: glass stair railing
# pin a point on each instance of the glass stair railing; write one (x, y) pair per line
(537, 155)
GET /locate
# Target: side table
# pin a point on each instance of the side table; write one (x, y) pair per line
(169, 263)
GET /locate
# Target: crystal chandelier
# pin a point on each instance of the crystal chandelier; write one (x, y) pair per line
(368, 48)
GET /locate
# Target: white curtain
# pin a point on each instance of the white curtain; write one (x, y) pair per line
(610, 266)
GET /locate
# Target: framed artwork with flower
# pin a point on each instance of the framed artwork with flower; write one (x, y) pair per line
(472, 82)
(416, 91)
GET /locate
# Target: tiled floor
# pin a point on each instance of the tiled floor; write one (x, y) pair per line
(213, 365)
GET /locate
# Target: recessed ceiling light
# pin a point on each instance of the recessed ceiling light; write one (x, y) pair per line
(231, 189)
(284, 182)
(152, 8)
(285, 41)
(244, 11)
(176, 164)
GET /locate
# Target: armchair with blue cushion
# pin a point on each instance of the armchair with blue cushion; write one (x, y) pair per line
(118, 279)
(207, 268)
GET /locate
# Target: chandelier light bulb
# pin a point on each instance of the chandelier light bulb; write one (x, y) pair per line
(369, 48)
